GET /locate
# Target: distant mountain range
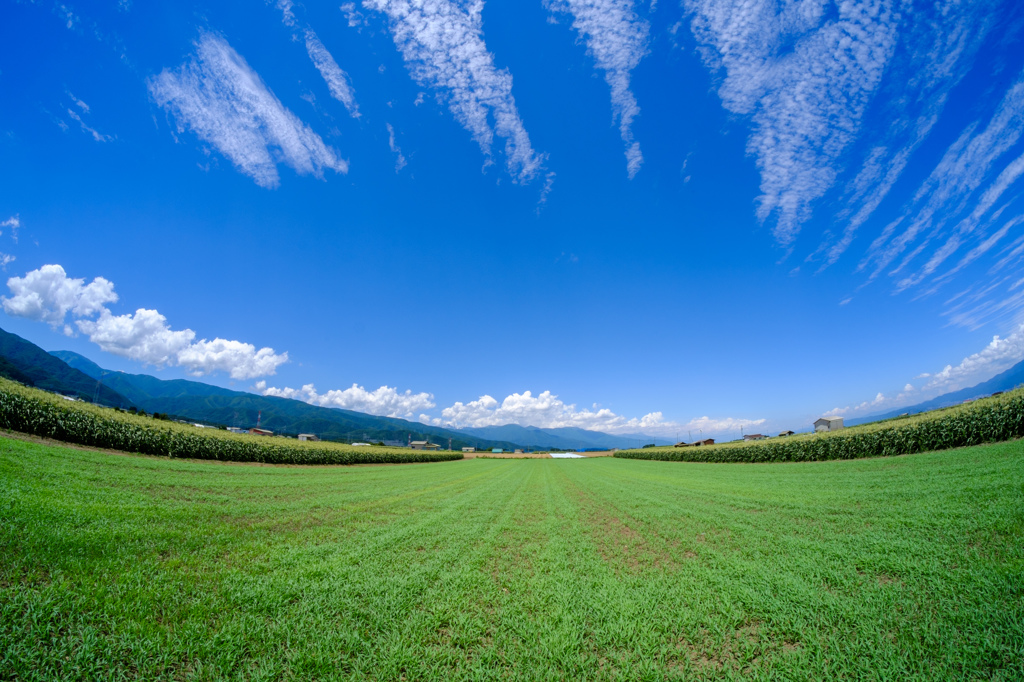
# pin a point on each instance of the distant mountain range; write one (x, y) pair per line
(1003, 381)
(72, 374)
(27, 363)
(565, 438)
(201, 402)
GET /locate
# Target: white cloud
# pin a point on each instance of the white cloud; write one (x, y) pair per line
(287, 8)
(96, 135)
(49, 295)
(948, 191)
(805, 78)
(443, 46)
(400, 162)
(998, 355)
(143, 336)
(237, 359)
(617, 39)
(219, 97)
(879, 400)
(712, 426)
(14, 222)
(936, 51)
(385, 401)
(79, 103)
(337, 80)
(352, 16)
(546, 410)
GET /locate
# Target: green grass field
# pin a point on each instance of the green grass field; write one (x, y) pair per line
(117, 566)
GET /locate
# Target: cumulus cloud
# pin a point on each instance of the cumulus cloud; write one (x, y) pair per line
(225, 103)
(442, 44)
(143, 336)
(546, 410)
(237, 359)
(805, 77)
(998, 355)
(385, 401)
(617, 40)
(709, 425)
(49, 295)
(878, 401)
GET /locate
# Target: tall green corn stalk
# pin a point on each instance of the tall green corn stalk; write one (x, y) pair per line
(36, 412)
(984, 421)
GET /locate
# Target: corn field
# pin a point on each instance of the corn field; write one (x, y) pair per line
(994, 419)
(39, 413)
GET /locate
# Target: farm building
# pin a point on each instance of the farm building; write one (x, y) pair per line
(828, 424)
(469, 449)
(681, 444)
(260, 432)
(307, 436)
(754, 436)
(424, 445)
(706, 441)
(783, 434)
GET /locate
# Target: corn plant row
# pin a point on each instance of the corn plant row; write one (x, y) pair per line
(990, 420)
(39, 413)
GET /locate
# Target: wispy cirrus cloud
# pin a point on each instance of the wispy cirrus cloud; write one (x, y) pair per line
(935, 52)
(400, 161)
(443, 47)
(616, 37)
(225, 103)
(338, 82)
(49, 295)
(804, 75)
(952, 195)
(76, 111)
(384, 401)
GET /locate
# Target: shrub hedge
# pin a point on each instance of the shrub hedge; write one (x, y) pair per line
(44, 414)
(992, 419)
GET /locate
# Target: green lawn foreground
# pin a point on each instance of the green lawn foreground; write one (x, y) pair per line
(117, 566)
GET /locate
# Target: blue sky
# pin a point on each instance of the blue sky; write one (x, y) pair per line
(654, 216)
